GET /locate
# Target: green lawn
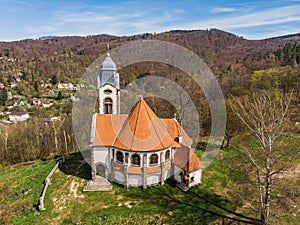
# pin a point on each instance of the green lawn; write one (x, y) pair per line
(65, 202)
(12, 184)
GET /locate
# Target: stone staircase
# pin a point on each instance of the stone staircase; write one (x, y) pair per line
(99, 184)
(183, 187)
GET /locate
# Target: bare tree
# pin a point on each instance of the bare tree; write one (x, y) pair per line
(4, 140)
(265, 116)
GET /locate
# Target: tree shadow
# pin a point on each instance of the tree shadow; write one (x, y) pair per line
(197, 206)
(76, 165)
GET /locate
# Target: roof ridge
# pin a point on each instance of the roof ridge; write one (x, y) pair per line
(139, 109)
(161, 141)
(143, 121)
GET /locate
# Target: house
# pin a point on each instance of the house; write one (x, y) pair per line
(2, 85)
(18, 116)
(9, 95)
(46, 104)
(138, 149)
(13, 84)
(17, 78)
(66, 86)
(55, 118)
(19, 103)
(36, 102)
(45, 85)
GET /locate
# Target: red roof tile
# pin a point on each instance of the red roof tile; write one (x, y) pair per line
(175, 130)
(107, 127)
(143, 131)
(185, 158)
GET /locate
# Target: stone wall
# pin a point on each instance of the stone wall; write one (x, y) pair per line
(47, 182)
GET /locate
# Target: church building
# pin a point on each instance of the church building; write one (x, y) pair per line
(138, 149)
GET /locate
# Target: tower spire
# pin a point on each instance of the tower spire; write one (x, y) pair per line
(142, 92)
(108, 49)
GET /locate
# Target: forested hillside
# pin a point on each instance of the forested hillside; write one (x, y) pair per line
(38, 66)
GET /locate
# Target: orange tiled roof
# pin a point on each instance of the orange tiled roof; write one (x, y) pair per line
(175, 130)
(186, 159)
(143, 131)
(107, 127)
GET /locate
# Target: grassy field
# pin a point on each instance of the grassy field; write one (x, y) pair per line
(65, 202)
(15, 181)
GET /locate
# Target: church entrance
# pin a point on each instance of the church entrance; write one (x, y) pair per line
(101, 170)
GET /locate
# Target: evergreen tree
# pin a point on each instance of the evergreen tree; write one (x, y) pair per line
(54, 80)
(36, 86)
(3, 96)
(59, 96)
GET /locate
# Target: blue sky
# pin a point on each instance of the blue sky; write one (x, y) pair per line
(20, 19)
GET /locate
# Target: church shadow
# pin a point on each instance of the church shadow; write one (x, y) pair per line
(76, 165)
(197, 206)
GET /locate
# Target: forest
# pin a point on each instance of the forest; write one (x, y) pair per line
(260, 80)
(241, 67)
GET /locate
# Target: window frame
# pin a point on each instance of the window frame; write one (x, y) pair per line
(134, 156)
(118, 153)
(108, 105)
(167, 153)
(151, 159)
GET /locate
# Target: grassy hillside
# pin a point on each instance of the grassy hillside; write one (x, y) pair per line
(66, 203)
(14, 183)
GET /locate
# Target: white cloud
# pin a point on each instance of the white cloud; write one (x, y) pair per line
(267, 17)
(120, 22)
(223, 9)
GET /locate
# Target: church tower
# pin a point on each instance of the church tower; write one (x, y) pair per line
(108, 87)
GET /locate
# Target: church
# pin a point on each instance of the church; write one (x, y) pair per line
(138, 149)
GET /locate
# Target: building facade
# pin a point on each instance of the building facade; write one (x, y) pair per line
(138, 149)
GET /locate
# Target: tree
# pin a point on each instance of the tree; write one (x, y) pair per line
(265, 118)
(233, 127)
(59, 96)
(36, 86)
(54, 79)
(3, 96)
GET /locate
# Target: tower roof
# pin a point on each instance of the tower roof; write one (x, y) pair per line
(108, 73)
(143, 131)
(108, 63)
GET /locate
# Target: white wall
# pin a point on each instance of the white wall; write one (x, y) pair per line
(153, 179)
(19, 118)
(113, 96)
(135, 180)
(197, 178)
(177, 170)
(118, 177)
(167, 174)
(101, 155)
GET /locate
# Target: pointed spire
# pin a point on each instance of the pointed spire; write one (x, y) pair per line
(143, 131)
(143, 92)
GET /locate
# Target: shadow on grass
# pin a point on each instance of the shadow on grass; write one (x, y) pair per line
(196, 206)
(76, 165)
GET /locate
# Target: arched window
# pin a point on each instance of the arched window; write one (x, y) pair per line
(136, 160)
(167, 155)
(120, 157)
(153, 159)
(107, 91)
(108, 106)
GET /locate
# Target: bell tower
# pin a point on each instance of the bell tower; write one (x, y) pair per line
(108, 87)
